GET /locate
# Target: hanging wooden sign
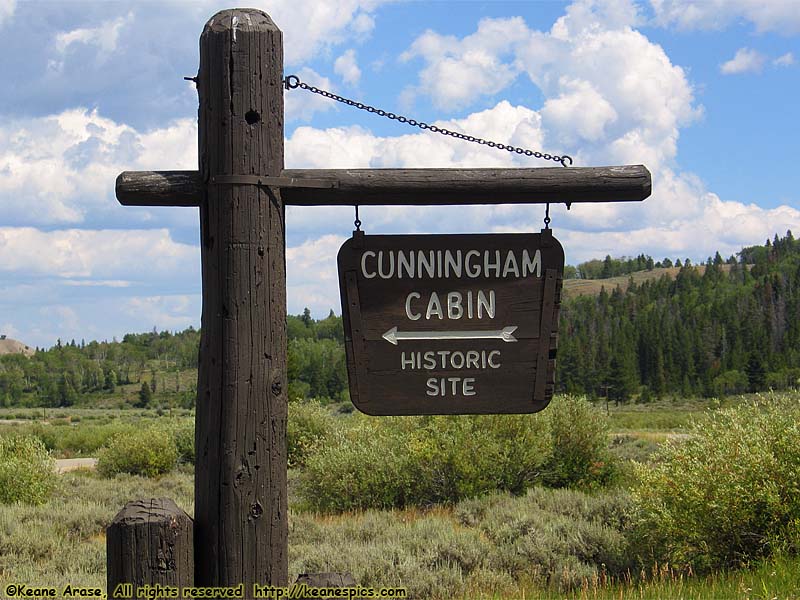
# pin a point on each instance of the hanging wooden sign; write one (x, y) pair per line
(451, 324)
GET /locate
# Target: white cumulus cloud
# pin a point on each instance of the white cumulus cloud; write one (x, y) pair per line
(105, 36)
(457, 71)
(775, 15)
(784, 60)
(311, 276)
(610, 93)
(314, 28)
(7, 8)
(60, 169)
(746, 60)
(347, 68)
(579, 113)
(115, 255)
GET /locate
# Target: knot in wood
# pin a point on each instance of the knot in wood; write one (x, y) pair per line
(256, 510)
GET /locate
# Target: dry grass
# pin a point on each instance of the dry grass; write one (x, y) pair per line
(592, 287)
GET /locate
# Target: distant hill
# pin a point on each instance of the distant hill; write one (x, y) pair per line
(9, 346)
(592, 287)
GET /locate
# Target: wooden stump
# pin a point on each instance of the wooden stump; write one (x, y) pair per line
(149, 542)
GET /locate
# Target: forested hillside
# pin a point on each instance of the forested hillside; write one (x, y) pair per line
(69, 372)
(711, 334)
(731, 329)
(158, 367)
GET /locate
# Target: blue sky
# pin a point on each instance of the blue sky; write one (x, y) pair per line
(702, 93)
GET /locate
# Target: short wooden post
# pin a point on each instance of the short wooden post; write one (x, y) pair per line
(241, 526)
(149, 542)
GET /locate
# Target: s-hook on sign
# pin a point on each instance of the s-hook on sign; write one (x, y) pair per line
(451, 324)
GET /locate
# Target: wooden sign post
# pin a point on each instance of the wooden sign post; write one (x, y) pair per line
(240, 520)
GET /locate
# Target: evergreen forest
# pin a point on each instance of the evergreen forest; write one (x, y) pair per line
(733, 329)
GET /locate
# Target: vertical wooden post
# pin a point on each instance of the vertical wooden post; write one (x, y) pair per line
(240, 478)
(149, 542)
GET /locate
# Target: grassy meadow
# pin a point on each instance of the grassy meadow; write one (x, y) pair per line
(558, 517)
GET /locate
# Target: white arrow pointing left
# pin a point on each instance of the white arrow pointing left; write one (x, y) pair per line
(393, 336)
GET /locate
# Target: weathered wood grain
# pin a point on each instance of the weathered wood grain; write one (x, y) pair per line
(411, 186)
(159, 188)
(240, 479)
(149, 542)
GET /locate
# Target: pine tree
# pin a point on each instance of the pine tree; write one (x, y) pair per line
(756, 376)
(145, 396)
(608, 270)
(111, 380)
(621, 383)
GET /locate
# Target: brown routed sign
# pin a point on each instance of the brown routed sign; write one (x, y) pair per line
(451, 324)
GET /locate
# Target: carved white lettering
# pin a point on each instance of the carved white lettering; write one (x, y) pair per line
(484, 304)
(533, 267)
(409, 314)
(387, 274)
(434, 307)
(454, 310)
(473, 271)
(364, 264)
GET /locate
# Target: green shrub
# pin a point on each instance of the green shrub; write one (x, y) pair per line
(730, 383)
(147, 452)
(399, 461)
(579, 433)
(727, 494)
(182, 432)
(308, 425)
(66, 440)
(83, 440)
(358, 467)
(27, 472)
(462, 457)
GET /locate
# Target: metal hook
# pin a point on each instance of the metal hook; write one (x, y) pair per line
(547, 216)
(357, 222)
(291, 82)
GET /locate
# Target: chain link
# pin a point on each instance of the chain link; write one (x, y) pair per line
(293, 81)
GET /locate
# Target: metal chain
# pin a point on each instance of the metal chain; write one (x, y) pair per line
(293, 81)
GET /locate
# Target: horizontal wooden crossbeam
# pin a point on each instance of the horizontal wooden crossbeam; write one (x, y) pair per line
(411, 187)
